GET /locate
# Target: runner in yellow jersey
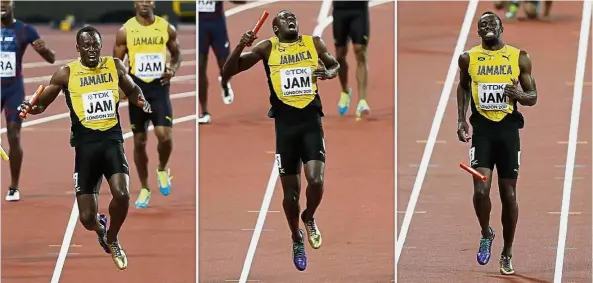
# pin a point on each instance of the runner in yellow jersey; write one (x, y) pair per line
(90, 85)
(490, 75)
(293, 64)
(146, 38)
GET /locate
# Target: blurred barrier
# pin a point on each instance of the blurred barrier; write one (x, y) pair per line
(58, 12)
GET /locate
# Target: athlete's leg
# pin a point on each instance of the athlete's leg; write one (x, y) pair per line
(531, 9)
(507, 165)
(289, 164)
(482, 159)
(202, 72)
(341, 29)
(221, 47)
(13, 96)
(359, 32)
(313, 156)
(87, 182)
(162, 120)
(139, 121)
(116, 171)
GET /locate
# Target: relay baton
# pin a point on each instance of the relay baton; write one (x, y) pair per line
(3, 154)
(32, 101)
(473, 171)
(260, 22)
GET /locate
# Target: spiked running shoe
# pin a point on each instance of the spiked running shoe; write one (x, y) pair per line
(118, 255)
(362, 109)
(313, 233)
(485, 249)
(506, 265)
(164, 181)
(344, 102)
(143, 198)
(298, 253)
(101, 236)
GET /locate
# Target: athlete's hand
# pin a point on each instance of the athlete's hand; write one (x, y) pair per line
(321, 72)
(248, 38)
(26, 106)
(39, 45)
(145, 105)
(512, 91)
(463, 131)
(167, 76)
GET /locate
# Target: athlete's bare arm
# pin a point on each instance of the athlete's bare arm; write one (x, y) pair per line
(240, 61)
(120, 48)
(127, 85)
(45, 52)
(58, 81)
(463, 97)
(528, 96)
(173, 47)
(330, 66)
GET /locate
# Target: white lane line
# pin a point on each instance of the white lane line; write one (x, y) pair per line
(74, 216)
(573, 132)
(67, 114)
(436, 125)
(272, 181)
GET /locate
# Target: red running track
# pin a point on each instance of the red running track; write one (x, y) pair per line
(443, 237)
(356, 215)
(159, 241)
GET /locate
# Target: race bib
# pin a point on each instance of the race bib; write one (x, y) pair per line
(7, 64)
(492, 97)
(296, 81)
(99, 105)
(149, 65)
(206, 6)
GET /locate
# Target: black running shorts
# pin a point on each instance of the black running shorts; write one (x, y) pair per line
(94, 160)
(296, 142)
(160, 103)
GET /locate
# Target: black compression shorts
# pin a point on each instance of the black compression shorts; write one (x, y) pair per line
(160, 102)
(296, 142)
(351, 25)
(94, 160)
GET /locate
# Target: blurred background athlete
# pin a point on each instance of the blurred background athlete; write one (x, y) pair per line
(146, 38)
(213, 33)
(532, 9)
(351, 22)
(16, 36)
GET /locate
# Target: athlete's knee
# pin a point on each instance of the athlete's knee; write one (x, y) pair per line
(164, 134)
(121, 193)
(482, 190)
(341, 53)
(88, 219)
(360, 51)
(508, 194)
(315, 179)
(140, 140)
(13, 133)
(291, 189)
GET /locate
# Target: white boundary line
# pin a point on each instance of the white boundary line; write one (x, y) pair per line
(573, 137)
(395, 94)
(74, 216)
(436, 125)
(323, 21)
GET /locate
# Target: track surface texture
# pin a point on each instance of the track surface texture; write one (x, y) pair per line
(159, 241)
(237, 154)
(443, 237)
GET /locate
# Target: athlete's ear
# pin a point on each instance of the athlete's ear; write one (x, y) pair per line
(275, 29)
(77, 48)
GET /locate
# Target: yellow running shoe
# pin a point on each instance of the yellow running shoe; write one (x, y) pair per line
(344, 102)
(506, 265)
(313, 233)
(164, 181)
(362, 109)
(118, 255)
(143, 198)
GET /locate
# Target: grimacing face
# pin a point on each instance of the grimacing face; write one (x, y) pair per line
(89, 47)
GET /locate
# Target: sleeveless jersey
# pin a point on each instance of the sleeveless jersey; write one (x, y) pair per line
(210, 9)
(490, 72)
(290, 74)
(13, 42)
(147, 48)
(93, 99)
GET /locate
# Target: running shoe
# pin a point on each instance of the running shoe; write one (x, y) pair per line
(13, 194)
(298, 253)
(143, 198)
(164, 181)
(101, 236)
(313, 233)
(118, 255)
(362, 109)
(506, 265)
(227, 92)
(205, 118)
(485, 248)
(344, 102)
